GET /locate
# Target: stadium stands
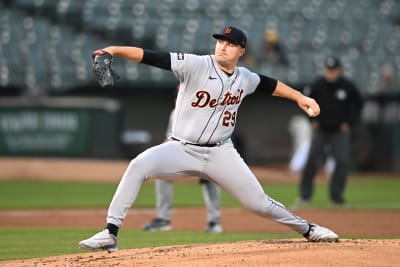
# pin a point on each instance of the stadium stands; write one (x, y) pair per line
(45, 45)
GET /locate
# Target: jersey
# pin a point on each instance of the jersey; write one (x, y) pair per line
(208, 93)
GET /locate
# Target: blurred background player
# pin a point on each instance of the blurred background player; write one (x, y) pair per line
(300, 129)
(164, 198)
(341, 104)
(301, 132)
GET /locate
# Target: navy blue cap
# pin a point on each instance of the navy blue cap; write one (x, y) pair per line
(232, 34)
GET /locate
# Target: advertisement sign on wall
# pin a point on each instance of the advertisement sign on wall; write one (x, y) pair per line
(44, 131)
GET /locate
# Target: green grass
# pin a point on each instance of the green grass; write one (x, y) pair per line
(19, 243)
(43, 194)
(361, 193)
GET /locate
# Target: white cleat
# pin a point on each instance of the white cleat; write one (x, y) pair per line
(321, 234)
(100, 241)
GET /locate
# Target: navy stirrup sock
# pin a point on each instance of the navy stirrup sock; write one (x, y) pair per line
(112, 228)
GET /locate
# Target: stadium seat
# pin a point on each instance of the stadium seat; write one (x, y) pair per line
(308, 31)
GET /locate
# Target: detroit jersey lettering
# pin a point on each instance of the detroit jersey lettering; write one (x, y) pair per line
(209, 95)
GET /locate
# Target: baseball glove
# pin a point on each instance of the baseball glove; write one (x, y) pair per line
(102, 68)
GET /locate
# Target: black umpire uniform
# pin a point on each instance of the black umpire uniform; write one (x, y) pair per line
(341, 104)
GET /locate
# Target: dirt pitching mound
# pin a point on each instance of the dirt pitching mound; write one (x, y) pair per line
(289, 252)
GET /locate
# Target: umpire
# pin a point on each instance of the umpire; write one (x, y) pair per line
(341, 104)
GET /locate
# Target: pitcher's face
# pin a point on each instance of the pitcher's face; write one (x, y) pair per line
(227, 53)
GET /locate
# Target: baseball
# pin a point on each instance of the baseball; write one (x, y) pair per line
(310, 112)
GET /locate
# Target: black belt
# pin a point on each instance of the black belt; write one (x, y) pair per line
(194, 144)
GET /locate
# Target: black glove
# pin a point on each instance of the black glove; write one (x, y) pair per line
(102, 68)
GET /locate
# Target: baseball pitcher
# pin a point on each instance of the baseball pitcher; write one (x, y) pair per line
(212, 87)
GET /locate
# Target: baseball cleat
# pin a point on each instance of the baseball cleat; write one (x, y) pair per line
(158, 224)
(321, 234)
(213, 228)
(100, 241)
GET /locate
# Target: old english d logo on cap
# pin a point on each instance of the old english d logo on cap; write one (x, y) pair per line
(232, 34)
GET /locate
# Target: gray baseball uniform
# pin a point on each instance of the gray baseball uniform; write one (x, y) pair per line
(165, 191)
(205, 116)
(211, 90)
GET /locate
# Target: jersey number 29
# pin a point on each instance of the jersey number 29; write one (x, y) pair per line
(229, 119)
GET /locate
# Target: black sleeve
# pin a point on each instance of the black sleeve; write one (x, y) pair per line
(157, 59)
(267, 84)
